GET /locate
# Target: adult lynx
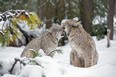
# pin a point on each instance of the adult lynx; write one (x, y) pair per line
(83, 52)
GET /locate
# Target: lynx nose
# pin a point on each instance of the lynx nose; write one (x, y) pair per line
(63, 27)
(63, 33)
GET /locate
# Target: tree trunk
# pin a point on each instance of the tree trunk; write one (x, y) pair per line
(110, 17)
(86, 14)
(46, 12)
(49, 14)
(60, 9)
(69, 11)
(59, 15)
(108, 37)
(41, 8)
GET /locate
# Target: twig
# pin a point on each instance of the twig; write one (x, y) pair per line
(39, 64)
(16, 60)
(43, 4)
(1, 32)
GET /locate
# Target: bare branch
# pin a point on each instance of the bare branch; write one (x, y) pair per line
(43, 4)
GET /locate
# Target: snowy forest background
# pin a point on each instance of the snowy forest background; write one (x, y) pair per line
(96, 15)
(23, 20)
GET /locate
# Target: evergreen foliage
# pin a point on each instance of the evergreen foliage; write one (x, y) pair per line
(56, 10)
(11, 30)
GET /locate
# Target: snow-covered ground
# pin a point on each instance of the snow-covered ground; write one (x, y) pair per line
(59, 65)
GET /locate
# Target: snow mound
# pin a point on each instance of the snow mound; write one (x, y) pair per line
(59, 65)
(32, 71)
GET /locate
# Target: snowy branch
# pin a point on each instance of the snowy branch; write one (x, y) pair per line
(18, 25)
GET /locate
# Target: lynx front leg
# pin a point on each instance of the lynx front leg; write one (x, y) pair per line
(29, 54)
(95, 57)
(71, 57)
(51, 53)
(74, 59)
(87, 60)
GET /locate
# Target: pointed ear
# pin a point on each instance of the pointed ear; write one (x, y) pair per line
(77, 24)
(50, 30)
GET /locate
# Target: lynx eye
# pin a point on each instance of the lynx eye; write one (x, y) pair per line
(63, 27)
(60, 30)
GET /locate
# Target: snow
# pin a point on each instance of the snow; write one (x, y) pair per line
(98, 19)
(64, 20)
(76, 18)
(59, 65)
(35, 32)
(32, 71)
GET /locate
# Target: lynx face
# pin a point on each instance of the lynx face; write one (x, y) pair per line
(67, 26)
(69, 23)
(58, 31)
(67, 29)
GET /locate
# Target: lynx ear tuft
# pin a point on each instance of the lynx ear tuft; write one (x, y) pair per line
(77, 24)
(50, 31)
(53, 27)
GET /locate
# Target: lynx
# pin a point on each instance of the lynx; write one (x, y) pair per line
(84, 53)
(47, 41)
